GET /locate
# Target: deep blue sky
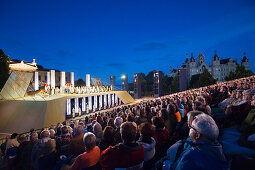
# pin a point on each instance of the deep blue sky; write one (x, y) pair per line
(114, 37)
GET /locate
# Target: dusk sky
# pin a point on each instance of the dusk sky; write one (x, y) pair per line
(114, 37)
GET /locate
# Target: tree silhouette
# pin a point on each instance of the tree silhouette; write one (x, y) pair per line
(4, 68)
(80, 82)
(239, 73)
(206, 79)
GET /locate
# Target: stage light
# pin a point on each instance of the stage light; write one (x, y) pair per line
(123, 77)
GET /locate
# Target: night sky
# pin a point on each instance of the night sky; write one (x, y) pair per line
(114, 37)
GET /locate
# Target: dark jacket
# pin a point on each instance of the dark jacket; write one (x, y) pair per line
(202, 155)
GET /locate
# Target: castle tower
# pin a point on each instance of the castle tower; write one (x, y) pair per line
(245, 62)
(192, 67)
(215, 66)
(200, 59)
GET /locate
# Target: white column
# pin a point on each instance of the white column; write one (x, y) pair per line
(105, 100)
(116, 100)
(95, 102)
(76, 105)
(113, 103)
(68, 106)
(100, 101)
(52, 78)
(90, 102)
(48, 77)
(72, 78)
(36, 82)
(109, 99)
(62, 79)
(83, 104)
(88, 80)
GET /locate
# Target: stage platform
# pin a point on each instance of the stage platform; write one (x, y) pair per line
(39, 111)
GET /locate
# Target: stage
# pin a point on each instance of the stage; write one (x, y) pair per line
(39, 111)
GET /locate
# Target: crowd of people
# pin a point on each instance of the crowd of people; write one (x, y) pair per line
(207, 128)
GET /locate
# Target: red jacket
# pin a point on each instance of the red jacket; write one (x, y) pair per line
(161, 136)
(122, 156)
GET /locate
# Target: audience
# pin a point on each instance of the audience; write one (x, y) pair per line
(188, 123)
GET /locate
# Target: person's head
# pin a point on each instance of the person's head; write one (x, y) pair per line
(52, 133)
(89, 140)
(171, 108)
(99, 119)
(70, 129)
(34, 136)
(79, 129)
(111, 122)
(22, 138)
(203, 129)
(45, 133)
(130, 117)
(248, 94)
(14, 135)
(97, 128)
(191, 116)
(146, 132)
(118, 121)
(128, 132)
(108, 134)
(164, 114)
(201, 99)
(158, 122)
(239, 94)
(64, 130)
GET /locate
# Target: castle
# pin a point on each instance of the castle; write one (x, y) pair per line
(220, 68)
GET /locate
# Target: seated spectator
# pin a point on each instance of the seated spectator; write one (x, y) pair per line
(205, 152)
(77, 145)
(63, 141)
(128, 154)
(3, 145)
(177, 113)
(161, 134)
(111, 123)
(172, 119)
(20, 159)
(12, 142)
(117, 122)
(45, 146)
(130, 117)
(108, 139)
(91, 156)
(104, 123)
(146, 139)
(97, 130)
(28, 150)
(52, 133)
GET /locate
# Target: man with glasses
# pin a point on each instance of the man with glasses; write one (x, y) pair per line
(205, 152)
